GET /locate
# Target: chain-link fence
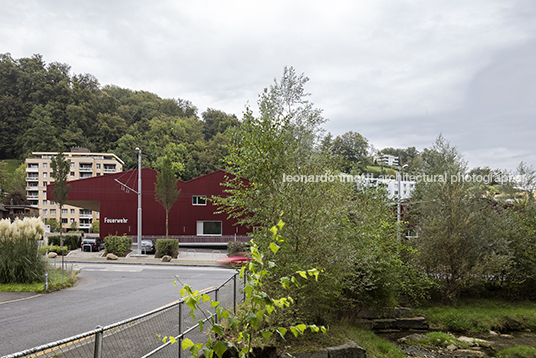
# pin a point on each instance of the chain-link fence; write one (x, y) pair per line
(142, 336)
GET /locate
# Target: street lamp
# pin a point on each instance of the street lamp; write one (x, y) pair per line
(399, 197)
(139, 200)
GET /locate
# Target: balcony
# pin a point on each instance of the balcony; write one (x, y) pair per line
(32, 196)
(32, 188)
(86, 169)
(85, 216)
(108, 171)
(84, 226)
(36, 178)
(32, 170)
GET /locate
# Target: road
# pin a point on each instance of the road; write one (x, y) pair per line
(104, 294)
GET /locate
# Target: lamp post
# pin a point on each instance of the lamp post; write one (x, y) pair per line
(139, 200)
(399, 197)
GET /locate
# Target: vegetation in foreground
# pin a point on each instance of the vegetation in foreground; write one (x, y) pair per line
(55, 283)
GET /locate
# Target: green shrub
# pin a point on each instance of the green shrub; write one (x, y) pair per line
(52, 248)
(19, 259)
(117, 245)
(234, 247)
(72, 242)
(168, 247)
(518, 352)
(95, 226)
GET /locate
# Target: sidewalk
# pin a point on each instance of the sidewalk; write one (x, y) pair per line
(190, 257)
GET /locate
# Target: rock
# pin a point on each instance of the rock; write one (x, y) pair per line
(471, 352)
(166, 258)
(321, 353)
(412, 323)
(437, 327)
(493, 334)
(475, 342)
(348, 350)
(451, 347)
(111, 257)
(507, 336)
(387, 323)
(412, 338)
(52, 255)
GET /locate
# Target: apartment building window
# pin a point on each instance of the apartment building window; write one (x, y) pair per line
(45, 202)
(72, 174)
(64, 211)
(72, 211)
(45, 183)
(44, 194)
(199, 200)
(52, 202)
(44, 211)
(45, 165)
(72, 165)
(64, 220)
(98, 165)
(45, 175)
(52, 211)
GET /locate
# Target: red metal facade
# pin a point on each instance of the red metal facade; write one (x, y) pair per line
(118, 205)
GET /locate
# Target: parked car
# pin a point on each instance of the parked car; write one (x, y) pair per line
(238, 260)
(148, 247)
(92, 244)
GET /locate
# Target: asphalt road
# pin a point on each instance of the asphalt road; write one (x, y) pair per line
(104, 294)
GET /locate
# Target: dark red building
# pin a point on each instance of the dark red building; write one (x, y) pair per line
(191, 219)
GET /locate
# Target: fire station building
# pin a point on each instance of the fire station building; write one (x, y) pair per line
(192, 219)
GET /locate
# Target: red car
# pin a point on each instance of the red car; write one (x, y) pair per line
(234, 261)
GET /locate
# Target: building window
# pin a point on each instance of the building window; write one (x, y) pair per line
(72, 165)
(45, 165)
(63, 211)
(199, 200)
(45, 183)
(45, 202)
(52, 211)
(209, 228)
(72, 211)
(44, 211)
(45, 175)
(98, 165)
(45, 194)
(64, 220)
(72, 174)
(52, 202)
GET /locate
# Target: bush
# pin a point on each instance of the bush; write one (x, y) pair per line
(117, 245)
(19, 259)
(52, 248)
(168, 247)
(234, 247)
(95, 227)
(72, 242)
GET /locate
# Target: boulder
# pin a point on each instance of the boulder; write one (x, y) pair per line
(52, 255)
(418, 322)
(412, 338)
(347, 350)
(111, 257)
(475, 342)
(166, 258)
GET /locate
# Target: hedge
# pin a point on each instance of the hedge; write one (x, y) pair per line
(168, 247)
(117, 245)
(72, 242)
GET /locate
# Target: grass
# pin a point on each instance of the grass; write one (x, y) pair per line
(12, 164)
(483, 315)
(518, 352)
(339, 334)
(54, 279)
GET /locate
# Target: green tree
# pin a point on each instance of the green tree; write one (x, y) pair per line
(166, 192)
(60, 173)
(463, 237)
(16, 198)
(352, 148)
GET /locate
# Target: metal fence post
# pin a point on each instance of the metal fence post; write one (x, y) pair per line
(97, 353)
(234, 293)
(180, 329)
(216, 299)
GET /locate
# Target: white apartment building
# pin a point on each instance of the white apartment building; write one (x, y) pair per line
(391, 185)
(84, 164)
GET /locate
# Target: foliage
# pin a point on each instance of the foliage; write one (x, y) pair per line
(72, 242)
(15, 198)
(234, 247)
(253, 326)
(19, 259)
(95, 227)
(117, 245)
(165, 190)
(463, 237)
(168, 247)
(60, 172)
(53, 248)
(518, 352)
(55, 282)
(352, 150)
(482, 315)
(54, 225)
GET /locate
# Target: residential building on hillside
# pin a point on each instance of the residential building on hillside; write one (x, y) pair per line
(391, 185)
(84, 164)
(388, 159)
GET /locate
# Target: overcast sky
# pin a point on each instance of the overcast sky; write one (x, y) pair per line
(398, 72)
